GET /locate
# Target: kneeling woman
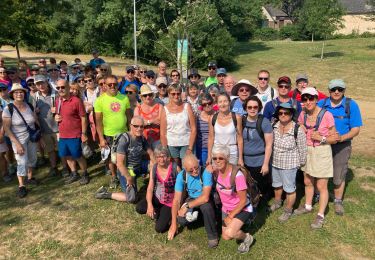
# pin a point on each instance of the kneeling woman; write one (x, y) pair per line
(236, 206)
(160, 191)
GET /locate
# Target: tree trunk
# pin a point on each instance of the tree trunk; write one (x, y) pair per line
(18, 51)
(322, 54)
(312, 37)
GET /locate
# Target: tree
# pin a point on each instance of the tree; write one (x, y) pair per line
(371, 3)
(292, 8)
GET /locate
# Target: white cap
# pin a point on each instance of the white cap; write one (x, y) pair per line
(309, 90)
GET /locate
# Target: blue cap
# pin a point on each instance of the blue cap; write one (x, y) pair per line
(336, 83)
(285, 105)
(221, 71)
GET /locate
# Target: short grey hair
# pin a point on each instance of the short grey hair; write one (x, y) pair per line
(137, 118)
(161, 150)
(221, 149)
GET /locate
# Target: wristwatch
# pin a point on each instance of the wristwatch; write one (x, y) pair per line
(324, 140)
(187, 205)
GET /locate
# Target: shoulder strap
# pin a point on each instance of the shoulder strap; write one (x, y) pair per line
(234, 118)
(347, 107)
(296, 126)
(319, 118)
(272, 93)
(19, 113)
(117, 139)
(232, 103)
(154, 173)
(244, 119)
(30, 106)
(11, 108)
(233, 175)
(214, 118)
(259, 126)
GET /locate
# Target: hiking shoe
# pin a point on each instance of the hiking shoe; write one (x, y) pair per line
(65, 173)
(285, 216)
(22, 192)
(212, 243)
(318, 222)
(114, 183)
(245, 245)
(301, 210)
(84, 179)
(31, 181)
(53, 172)
(339, 208)
(102, 193)
(7, 178)
(275, 206)
(72, 178)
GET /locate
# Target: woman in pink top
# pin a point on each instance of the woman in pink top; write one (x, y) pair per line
(236, 206)
(160, 190)
(320, 131)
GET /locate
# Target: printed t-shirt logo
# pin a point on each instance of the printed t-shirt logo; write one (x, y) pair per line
(115, 106)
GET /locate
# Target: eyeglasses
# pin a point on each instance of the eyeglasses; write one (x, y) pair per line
(138, 126)
(252, 107)
(194, 169)
(130, 71)
(244, 90)
(260, 78)
(211, 68)
(112, 85)
(30, 84)
(81, 80)
(103, 70)
(218, 158)
(127, 92)
(281, 113)
(194, 76)
(162, 86)
(337, 89)
(148, 95)
(175, 93)
(175, 75)
(150, 77)
(60, 87)
(206, 104)
(142, 71)
(305, 98)
(88, 80)
(284, 86)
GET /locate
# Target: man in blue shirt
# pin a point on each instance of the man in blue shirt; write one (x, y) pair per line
(96, 60)
(198, 188)
(129, 79)
(243, 89)
(348, 121)
(284, 85)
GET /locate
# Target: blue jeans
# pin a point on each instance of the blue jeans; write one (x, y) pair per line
(202, 154)
(124, 182)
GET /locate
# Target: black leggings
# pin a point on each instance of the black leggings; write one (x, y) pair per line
(264, 182)
(163, 213)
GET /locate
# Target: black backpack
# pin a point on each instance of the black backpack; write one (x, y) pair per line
(318, 119)
(234, 118)
(258, 126)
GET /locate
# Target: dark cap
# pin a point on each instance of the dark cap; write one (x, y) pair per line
(94, 51)
(301, 76)
(285, 79)
(150, 73)
(129, 68)
(12, 69)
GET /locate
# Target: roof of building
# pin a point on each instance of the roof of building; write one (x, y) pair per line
(274, 11)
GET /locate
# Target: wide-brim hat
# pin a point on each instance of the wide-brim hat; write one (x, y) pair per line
(16, 86)
(245, 82)
(285, 105)
(145, 89)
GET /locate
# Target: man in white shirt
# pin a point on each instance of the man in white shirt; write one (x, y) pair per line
(265, 91)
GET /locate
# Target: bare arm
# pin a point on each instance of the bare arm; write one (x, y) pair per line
(352, 133)
(175, 206)
(211, 136)
(121, 162)
(268, 138)
(128, 114)
(193, 127)
(239, 140)
(99, 128)
(202, 199)
(163, 128)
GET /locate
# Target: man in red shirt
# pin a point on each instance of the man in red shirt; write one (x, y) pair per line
(71, 117)
(302, 81)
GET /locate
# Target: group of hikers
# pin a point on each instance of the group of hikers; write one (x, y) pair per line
(211, 148)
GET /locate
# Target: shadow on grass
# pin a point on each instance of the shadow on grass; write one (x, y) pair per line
(332, 54)
(371, 47)
(9, 220)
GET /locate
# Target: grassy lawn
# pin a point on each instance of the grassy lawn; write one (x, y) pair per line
(66, 221)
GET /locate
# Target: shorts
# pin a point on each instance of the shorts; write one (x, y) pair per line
(319, 163)
(50, 141)
(70, 147)
(123, 181)
(177, 151)
(341, 153)
(285, 179)
(244, 216)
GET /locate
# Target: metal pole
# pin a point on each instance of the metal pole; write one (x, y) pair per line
(135, 35)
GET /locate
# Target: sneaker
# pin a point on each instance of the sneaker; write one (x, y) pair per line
(22, 192)
(285, 216)
(318, 222)
(245, 245)
(339, 208)
(114, 183)
(7, 178)
(275, 206)
(84, 179)
(212, 243)
(72, 178)
(102, 193)
(31, 181)
(301, 210)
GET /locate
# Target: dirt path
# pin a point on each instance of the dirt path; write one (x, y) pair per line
(364, 144)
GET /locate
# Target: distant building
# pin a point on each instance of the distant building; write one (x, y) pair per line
(355, 20)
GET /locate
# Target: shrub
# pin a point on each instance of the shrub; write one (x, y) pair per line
(266, 34)
(290, 31)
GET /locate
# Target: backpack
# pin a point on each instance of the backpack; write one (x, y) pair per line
(258, 126)
(116, 141)
(347, 107)
(53, 97)
(318, 119)
(185, 194)
(232, 103)
(234, 118)
(253, 192)
(11, 108)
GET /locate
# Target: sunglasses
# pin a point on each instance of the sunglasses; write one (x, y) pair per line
(148, 95)
(80, 81)
(218, 158)
(262, 78)
(175, 75)
(337, 89)
(175, 94)
(127, 92)
(211, 68)
(281, 113)
(138, 126)
(30, 84)
(194, 76)
(162, 86)
(60, 87)
(53, 70)
(284, 86)
(88, 81)
(142, 71)
(103, 70)
(252, 107)
(150, 77)
(112, 85)
(206, 104)
(11, 72)
(244, 90)
(130, 71)
(305, 98)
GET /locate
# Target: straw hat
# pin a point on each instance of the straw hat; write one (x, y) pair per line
(145, 89)
(16, 86)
